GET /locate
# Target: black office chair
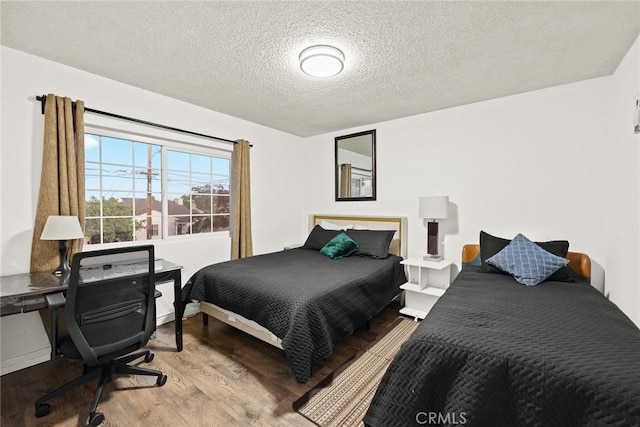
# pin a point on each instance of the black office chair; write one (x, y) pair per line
(109, 313)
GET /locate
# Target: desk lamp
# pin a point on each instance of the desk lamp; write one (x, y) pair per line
(62, 228)
(433, 208)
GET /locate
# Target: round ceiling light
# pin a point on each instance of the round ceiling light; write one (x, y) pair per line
(321, 61)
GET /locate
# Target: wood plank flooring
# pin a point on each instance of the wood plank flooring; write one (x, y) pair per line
(223, 377)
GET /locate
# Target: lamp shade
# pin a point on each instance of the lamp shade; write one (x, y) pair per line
(434, 207)
(62, 227)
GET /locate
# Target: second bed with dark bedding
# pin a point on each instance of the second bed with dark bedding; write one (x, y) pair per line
(493, 352)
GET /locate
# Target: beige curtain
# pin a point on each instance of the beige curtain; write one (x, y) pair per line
(62, 178)
(345, 180)
(241, 242)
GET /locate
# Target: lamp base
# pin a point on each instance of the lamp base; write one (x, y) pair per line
(433, 258)
(62, 272)
(63, 268)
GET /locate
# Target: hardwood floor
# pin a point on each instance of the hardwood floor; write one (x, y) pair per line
(223, 377)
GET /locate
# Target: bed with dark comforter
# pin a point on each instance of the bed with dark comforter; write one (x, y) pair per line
(493, 352)
(306, 299)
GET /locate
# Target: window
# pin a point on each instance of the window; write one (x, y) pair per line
(142, 190)
(201, 185)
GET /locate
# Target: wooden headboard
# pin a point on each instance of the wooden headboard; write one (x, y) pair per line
(579, 263)
(397, 223)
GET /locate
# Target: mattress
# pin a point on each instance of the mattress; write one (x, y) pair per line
(494, 352)
(306, 299)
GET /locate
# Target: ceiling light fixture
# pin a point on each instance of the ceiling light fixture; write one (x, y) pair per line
(321, 61)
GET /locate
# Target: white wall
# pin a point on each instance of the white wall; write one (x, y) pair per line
(558, 163)
(623, 188)
(530, 163)
(277, 210)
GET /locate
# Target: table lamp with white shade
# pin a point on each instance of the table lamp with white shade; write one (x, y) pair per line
(62, 228)
(433, 208)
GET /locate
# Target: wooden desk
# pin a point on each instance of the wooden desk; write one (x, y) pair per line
(21, 293)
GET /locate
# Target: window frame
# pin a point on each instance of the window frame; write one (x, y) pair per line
(166, 141)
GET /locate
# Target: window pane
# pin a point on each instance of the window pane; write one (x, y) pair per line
(201, 224)
(220, 189)
(221, 222)
(200, 183)
(92, 231)
(200, 204)
(177, 160)
(221, 204)
(150, 177)
(178, 204)
(92, 176)
(200, 164)
(143, 151)
(116, 178)
(91, 148)
(113, 206)
(220, 184)
(141, 201)
(117, 230)
(117, 151)
(179, 225)
(221, 166)
(178, 182)
(148, 231)
(92, 204)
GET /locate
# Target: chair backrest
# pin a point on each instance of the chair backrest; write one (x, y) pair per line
(110, 301)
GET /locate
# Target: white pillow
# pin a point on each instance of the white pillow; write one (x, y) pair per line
(331, 226)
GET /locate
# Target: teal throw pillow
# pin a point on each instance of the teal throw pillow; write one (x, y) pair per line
(340, 246)
(527, 262)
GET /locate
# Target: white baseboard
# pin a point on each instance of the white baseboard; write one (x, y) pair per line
(190, 310)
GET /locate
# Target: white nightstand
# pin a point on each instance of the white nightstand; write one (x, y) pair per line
(428, 280)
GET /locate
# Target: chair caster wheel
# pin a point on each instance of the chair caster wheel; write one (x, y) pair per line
(96, 419)
(42, 410)
(162, 380)
(149, 357)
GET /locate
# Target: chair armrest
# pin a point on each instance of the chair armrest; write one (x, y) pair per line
(54, 302)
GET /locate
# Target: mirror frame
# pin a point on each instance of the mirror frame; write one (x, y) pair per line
(336, 167)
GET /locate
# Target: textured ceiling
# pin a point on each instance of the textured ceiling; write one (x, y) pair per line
(402, 58)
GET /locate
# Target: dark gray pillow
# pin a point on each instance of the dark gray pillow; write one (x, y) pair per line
(319, 237)
(373, 243)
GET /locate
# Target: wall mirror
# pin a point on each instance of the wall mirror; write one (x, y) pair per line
(355, 166)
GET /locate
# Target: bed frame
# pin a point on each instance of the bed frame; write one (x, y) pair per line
(398, 247)
(579, 263)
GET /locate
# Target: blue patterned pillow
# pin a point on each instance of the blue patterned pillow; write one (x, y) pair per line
(527, 262)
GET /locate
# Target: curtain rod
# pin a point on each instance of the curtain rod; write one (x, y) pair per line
(43, 100)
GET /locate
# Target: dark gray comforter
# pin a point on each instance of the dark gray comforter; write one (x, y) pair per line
(307, 300)
(495, 353)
